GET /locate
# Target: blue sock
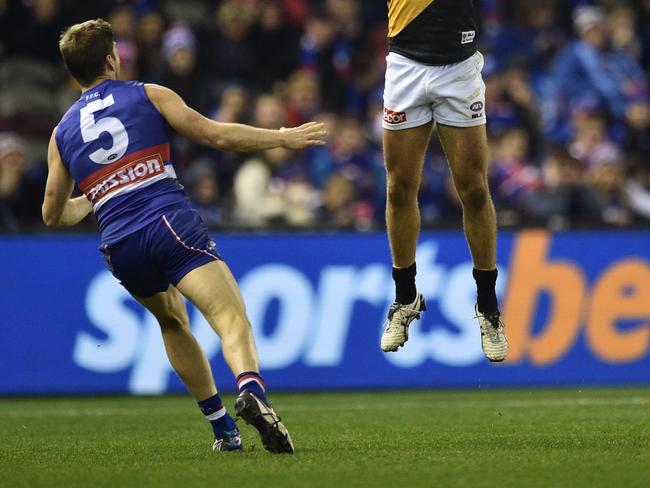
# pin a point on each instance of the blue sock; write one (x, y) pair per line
(217, 415)
(253, 382)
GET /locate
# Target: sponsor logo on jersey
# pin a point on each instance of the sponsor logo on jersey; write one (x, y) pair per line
(391, 117)
(124, 173)
(468, 37)
(130, 174)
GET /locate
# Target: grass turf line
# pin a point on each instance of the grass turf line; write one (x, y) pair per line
(590, 438)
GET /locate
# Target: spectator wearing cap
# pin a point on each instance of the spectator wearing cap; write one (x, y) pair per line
(181, 74)
(587, 72)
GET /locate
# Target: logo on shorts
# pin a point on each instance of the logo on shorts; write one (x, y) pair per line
(391, 117)
(476, 107)
(468, 37)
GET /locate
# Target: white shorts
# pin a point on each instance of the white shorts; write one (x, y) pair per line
(417, 93)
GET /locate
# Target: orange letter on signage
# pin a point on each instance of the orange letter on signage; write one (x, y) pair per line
(622, 293)
(531, 274)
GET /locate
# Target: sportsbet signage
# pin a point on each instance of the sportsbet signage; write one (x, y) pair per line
(610, 311)
(576, 306)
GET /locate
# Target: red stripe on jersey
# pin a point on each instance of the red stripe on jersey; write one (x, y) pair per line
(161, 151)
(126, 175)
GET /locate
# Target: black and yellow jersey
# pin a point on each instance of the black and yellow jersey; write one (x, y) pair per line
(433, 32)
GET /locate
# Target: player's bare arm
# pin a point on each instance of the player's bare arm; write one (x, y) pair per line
(58, 208)
(229, 137)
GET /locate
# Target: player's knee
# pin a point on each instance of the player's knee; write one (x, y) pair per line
(474, 196)
(401, 191)
(172, 322)
(225, 313)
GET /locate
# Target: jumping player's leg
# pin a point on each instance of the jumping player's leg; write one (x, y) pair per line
(467, 151)
(189, 361)
(404, 156)
(213, 290)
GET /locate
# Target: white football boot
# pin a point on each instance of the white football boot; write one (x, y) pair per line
(493, 336)
(399, 318)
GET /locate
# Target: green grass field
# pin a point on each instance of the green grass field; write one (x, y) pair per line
(573, 438)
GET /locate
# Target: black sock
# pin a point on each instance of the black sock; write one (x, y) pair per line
(405, 292)
(486, 286)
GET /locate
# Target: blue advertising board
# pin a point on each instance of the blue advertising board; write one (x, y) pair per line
(576, 307)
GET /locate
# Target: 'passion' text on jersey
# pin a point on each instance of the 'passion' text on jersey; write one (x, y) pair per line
(134, 172)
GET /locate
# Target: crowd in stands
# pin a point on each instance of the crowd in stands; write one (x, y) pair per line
(567, 104)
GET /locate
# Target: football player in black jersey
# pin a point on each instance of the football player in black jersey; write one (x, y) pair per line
(433, 75)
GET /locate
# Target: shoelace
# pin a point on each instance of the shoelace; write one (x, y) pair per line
(273, 415)
(400, 308)
(495, 331)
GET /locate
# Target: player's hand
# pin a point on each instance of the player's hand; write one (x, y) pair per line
(307, 135)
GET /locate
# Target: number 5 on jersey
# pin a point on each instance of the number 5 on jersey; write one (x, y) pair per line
(91, 129)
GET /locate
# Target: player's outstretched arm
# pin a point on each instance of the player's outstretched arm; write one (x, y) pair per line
(58, 208)
(229, 137)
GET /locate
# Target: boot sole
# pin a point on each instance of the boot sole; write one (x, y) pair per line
(273, 440)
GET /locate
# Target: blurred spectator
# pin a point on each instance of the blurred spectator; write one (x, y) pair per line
(128, 60)
(591, 143)
(564, 199)
(608, 181)
(567, 105)
(151, 27)
(232, 106)
(269, 112)
(273, 189)
(21, 187)
(348, 153)
(274, 35)
(341, 205)
(533, 33)
(303, 97)
(181, 74)
(637, 190)
(204, 193)
(230, 52)
(512, 175)
(588, 72)
(38, 38)
(122, 19)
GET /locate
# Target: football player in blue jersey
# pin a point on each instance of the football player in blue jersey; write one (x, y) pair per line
(114, 143)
